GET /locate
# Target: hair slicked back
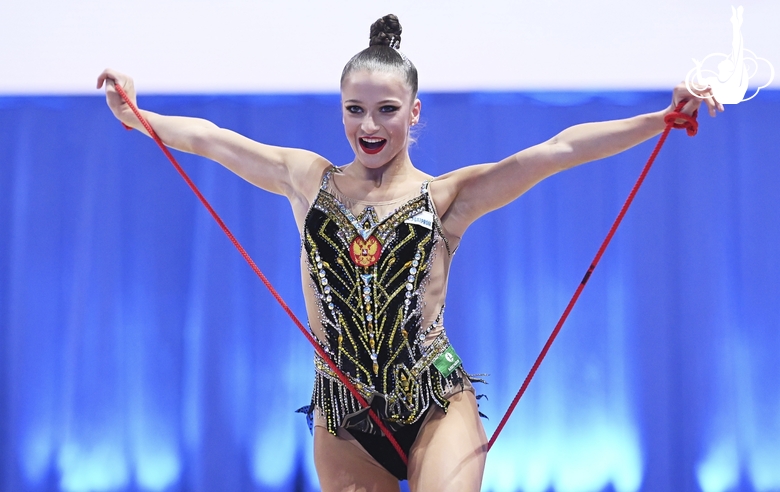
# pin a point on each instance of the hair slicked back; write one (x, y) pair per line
(382, 54)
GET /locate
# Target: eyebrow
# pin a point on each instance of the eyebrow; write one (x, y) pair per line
(384, 101)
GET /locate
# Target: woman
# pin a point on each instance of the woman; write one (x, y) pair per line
(378, 237)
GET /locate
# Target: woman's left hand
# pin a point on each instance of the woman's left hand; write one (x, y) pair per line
(693, 101)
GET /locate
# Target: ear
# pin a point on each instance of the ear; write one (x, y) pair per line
(416, 108)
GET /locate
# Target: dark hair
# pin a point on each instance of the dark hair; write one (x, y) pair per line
(382, 53)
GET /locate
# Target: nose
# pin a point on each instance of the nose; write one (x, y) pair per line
(368, 124)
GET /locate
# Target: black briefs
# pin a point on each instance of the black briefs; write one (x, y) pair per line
(384, 453)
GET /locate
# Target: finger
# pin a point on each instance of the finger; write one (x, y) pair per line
(109, 84)
(112, 77)
(705, 96)
(718, 104)
(691, 105)
(681, 94)
(713, 104)
(713, 109)
(105, 75)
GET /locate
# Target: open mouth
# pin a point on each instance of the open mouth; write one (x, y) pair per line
(371, 145)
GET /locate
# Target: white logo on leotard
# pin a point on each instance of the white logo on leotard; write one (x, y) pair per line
(424, 219)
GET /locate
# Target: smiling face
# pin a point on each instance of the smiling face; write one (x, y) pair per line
(378, 108)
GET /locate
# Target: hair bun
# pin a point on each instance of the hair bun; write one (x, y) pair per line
(386, 32)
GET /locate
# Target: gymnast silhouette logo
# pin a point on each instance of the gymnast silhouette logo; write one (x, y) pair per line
(730, 81)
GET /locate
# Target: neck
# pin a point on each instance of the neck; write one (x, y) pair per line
(396, 169)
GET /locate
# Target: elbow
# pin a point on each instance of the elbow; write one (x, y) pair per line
(561, 154)
(200, 141)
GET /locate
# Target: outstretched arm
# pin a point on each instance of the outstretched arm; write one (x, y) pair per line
(464, 195)
(279, 170)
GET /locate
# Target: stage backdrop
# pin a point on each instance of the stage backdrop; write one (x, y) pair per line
(139, 353)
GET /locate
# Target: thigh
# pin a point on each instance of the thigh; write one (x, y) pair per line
(343, 466)
(450, 451)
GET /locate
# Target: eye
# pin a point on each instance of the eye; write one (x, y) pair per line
(388, 109)
(354, 109)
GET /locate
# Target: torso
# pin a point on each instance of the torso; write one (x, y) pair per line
(375, 278)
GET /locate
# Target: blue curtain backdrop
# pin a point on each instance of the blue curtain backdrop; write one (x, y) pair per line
(139, 353)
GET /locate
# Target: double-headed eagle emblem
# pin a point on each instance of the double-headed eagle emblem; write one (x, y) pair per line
(365, 252)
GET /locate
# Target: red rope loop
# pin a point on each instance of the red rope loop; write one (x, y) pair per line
(320, 351)
(690, 124)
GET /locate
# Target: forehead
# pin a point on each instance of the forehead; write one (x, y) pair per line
(366, 86)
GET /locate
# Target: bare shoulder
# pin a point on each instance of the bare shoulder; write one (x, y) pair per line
(445, 188)
(306, 172)
(444, 192)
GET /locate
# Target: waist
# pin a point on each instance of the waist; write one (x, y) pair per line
(430, 353)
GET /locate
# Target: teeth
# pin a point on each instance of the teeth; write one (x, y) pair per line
(372, 139)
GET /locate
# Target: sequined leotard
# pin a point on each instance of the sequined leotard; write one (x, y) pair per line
(375, 298)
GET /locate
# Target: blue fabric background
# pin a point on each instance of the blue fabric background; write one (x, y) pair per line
(139, 352)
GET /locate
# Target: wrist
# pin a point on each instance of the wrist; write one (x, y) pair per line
(128, 119)
(657, 118)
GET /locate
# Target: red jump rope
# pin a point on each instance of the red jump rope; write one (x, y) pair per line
(690, 124)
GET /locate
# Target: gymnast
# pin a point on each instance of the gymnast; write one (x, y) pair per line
(378, 236)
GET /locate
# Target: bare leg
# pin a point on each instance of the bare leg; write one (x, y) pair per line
(343, 466)
(450, 451)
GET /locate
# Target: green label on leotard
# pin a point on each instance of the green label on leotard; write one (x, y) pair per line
(447, 362)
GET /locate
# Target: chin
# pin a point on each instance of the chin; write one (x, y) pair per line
(378, 161)
(371, 162)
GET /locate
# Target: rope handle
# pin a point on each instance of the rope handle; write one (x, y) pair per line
(317, 347)
(691, 125)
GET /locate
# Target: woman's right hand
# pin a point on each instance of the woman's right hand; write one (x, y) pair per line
(115, 102)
